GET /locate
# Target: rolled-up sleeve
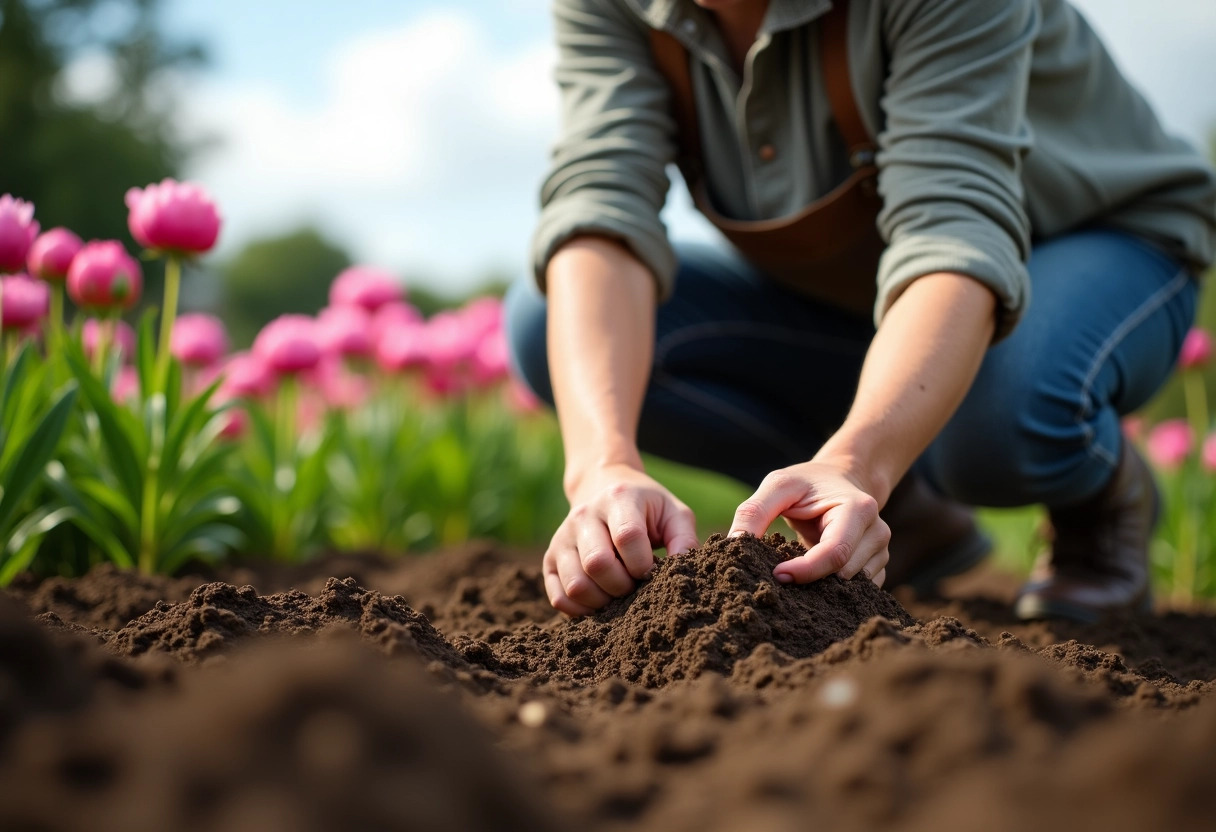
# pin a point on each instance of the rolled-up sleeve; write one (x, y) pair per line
(608, 169)
(951, 150)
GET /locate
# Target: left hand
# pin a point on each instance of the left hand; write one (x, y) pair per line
(834, 517)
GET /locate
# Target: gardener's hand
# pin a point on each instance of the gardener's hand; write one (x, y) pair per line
(618, 516)
(833, 516)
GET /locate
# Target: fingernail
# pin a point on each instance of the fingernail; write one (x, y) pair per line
(681, 551)
(735, 534)
(784, 578)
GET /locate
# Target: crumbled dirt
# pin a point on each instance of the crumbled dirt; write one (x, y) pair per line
(443, 693)
(703, 614)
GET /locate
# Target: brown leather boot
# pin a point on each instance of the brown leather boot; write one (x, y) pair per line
(1098, 563)
(932, 537)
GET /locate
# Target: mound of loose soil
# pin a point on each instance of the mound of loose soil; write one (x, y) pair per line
(704, 612)
(712, 699)
(308, 738)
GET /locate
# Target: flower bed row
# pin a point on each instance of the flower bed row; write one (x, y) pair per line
(366, 427)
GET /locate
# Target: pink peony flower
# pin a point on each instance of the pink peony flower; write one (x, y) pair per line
(451, 341)
(18, 230)
(246, 375)
(104, 277)
(236, 420)
(491, 360)
(174, 217)
(482, 316)
(51, 255)
(1208, 454)
(1196, 349)
(24, 301)
(345, 331)
(400, 348)
(289, 344)
(367, 287)
(198, 340)
(339, 389)
(126, 385)
(1169, 443)
(123, 338)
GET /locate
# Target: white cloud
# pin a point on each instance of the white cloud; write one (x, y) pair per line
(424, 148)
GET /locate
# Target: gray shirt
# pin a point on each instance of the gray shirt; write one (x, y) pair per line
(998, 121)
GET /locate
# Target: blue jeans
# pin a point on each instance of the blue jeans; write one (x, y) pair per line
(750, 377)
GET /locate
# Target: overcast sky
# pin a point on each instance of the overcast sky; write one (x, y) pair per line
(416, 132)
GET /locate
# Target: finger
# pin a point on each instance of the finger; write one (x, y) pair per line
(844, 527)
(557, 594)
(599, 561)
(678, 528)
(775, 494)
(880, 578)
(575, 582)
(627, 528)
(869, 556)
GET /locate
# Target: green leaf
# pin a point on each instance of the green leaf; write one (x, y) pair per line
(186, 424)
(35, 454)
(94, 527)
(122, 434)
(24, 543)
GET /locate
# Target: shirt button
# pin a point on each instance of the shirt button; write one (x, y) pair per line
(688, 26)
(767, 153)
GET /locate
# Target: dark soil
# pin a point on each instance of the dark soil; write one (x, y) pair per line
(443, 693)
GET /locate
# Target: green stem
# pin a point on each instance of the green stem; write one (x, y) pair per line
(148, 525)
(284, 468)
(173, 279)
(54, 332)
(1185, 569)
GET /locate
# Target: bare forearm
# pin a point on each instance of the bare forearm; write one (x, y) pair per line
(600, 342)
(917, 371)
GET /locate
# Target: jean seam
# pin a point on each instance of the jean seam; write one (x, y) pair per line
(748, 329)
(740, 419)
(1137, 317)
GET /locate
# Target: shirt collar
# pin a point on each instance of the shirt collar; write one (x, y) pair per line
(781, 14)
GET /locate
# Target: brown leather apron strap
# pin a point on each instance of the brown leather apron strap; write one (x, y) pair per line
(671, 59)
(838, 81)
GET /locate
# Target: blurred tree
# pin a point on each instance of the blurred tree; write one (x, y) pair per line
(270, 277)
(74, 156)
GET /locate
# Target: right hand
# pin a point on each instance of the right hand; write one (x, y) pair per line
(618, 516)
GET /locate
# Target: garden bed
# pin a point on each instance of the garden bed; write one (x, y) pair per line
(442, 693)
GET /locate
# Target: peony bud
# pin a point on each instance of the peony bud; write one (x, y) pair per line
(104, 277)
(52, 254)
(123, 335)
(23, 301)
(198, 340)
(174, 217)
(367, 287)
(288, 344)
(18, 230)
(1196, 349)
(1169, 443)
(345, 331)
(1208, 455)
(126, 385)
(491, 360)
(246, 376)
(399, 348)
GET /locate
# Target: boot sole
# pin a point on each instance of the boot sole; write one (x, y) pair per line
(955, 560)
(1031, 608)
